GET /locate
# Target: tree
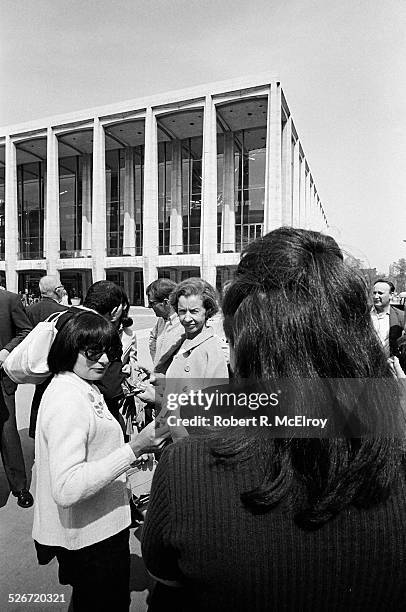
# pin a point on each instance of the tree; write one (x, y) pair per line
(370, 275)
(399, 274)
(353, 262)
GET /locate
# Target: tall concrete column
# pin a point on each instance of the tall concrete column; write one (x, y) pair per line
(99, 241)
(176, 233)
(150, 238)
(208, 236)
(129, 204)
(86, 161)
(44, 224)
(11, 216)
(305, 208)
(302, 192)
(228, 207)
(322, 222)
(52, 240)
(273, 171)
(296, 185)
(315, 217)
(309, 202)
(287, 199)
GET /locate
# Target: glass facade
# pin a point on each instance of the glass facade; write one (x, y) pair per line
(180, 146)
(224, 275)
(124, 193)
(115, 170)
(28, 282)
(191, 195)
(2, 212)
(131, 281)
(30, 193)
(70, 205)
(164, 195)
(178, 274)
(241, 159)
(76, 283)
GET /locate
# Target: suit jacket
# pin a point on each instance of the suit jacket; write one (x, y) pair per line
(14, 326)
(163, 349)
(396, 327)
(41, 310)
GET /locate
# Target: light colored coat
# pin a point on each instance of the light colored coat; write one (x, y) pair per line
(201, 358)
(165, 340)
(199, 363)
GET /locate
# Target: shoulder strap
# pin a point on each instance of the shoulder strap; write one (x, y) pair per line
(55, 315)
(63, 318)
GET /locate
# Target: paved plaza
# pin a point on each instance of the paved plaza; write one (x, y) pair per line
(19, 570)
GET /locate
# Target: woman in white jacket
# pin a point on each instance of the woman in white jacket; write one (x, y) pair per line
(82, 513)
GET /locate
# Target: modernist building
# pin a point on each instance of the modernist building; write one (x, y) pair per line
(172, 185)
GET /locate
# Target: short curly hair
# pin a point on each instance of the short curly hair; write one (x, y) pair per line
(200, 287)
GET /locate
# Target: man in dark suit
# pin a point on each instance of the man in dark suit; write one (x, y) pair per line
(389, 321)
(51, 292)
(14, 326)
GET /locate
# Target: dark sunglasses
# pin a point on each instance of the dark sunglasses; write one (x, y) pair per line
(93, 355)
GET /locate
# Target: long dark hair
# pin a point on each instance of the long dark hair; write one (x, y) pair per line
(296, 311)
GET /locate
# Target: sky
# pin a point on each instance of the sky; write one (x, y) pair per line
(341, 65)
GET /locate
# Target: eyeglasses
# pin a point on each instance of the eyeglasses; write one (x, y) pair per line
(152, 303)
(93, 355)
(59, 287)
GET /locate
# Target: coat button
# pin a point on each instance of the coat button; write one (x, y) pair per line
(187, 368)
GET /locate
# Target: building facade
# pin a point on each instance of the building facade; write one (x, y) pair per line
(173, 186)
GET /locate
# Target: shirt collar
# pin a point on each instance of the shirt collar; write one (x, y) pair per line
(172, 318)
(387, 312)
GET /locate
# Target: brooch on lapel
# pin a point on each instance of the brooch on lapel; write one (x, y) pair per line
(98, 407)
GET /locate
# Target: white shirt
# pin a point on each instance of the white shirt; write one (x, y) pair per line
(381, 325)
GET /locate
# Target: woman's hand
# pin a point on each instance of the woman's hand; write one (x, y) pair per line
(153, 389)
(396, 368)
(150, 438)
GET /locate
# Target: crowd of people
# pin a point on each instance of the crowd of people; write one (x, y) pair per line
(238, 519)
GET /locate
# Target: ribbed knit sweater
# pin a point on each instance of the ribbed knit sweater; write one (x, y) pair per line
(198, 532)
(81, 495)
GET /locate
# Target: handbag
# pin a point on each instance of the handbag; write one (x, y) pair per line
(28, 361)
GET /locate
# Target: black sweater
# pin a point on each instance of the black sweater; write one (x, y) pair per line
(198, 532)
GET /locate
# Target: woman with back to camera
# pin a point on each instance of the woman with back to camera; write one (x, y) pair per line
(243, 521)
(82, 513)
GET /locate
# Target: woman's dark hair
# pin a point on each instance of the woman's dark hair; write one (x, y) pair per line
(196, 286)
(85, 330)
(295, 310)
